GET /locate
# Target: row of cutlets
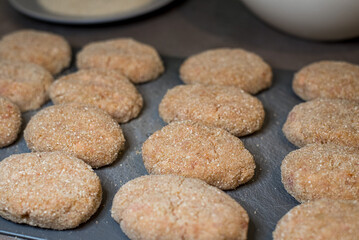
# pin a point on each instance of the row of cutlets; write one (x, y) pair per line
(323, 175)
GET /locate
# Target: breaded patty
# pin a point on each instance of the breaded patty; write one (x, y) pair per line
(322, 171)
(86, 132)
(228, 66)
(48, 50)
(320, 220)
(48, 190)
(225, 107)
(327, 79)
(10, 122)
(25, 84)
(324, 121)
(194, 150)
(173, 207)
(137, 61)
(105, 89)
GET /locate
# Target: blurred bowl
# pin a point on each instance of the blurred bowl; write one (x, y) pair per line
(311, 19)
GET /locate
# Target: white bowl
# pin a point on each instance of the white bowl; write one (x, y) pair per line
(312, 19)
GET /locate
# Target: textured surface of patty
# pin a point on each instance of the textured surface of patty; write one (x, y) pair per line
(10, 122)
(322, 171)
(328, 79)
(231, 67)
(194, 150)
(324, 121)
(48, 50)
(321, 220)
(173, 207)
(226, 107)
(25, 84)
(105, 89)
(48, 190)
(137, 61)
(86, 132)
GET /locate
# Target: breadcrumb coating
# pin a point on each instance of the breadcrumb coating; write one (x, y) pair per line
(321, 220)
(173, 207)
(194, 150)
(25, 84)
(48, 50)
(106, 89)
(324, 121)
(10, 122)
(137, 61)
(230, 67)
(322, 171)
(48, 190)
(86, 132)
(225, 107)
(327, 79)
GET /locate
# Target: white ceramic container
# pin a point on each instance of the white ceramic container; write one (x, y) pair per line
(312, 19)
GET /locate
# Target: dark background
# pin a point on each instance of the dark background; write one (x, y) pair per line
(186, 27)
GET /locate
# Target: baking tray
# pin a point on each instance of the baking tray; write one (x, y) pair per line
(264, 197)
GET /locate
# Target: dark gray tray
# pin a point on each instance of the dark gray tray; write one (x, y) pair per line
(264, 198)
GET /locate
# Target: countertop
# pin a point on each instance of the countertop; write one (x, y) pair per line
(187, 27)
